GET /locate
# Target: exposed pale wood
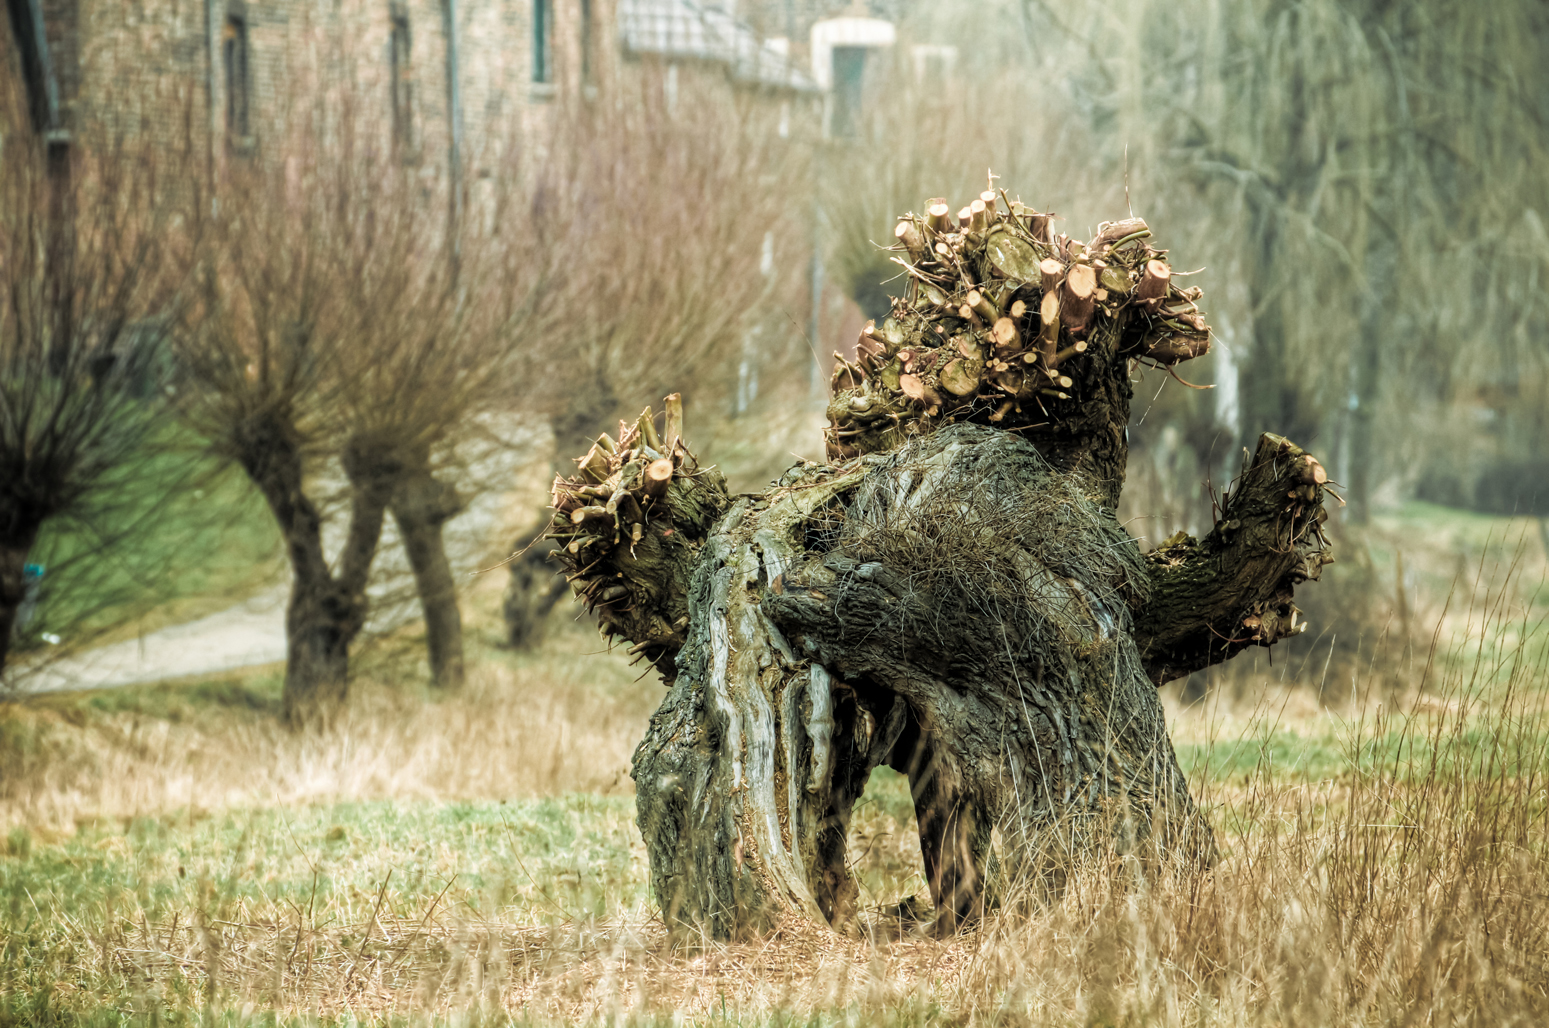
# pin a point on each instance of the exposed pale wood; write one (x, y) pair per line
(1051, 272)
(672, 432)
(938, 216)
(978, 216)
(1077, 297)
(820, 726)
(1079, 346)
(907, 234)
(1008, 338)
(1049, 315)
(982, 306)
(658, 474)
(1154, 280)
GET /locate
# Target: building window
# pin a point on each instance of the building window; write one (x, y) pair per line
(849, 77)
(234, 55)
(401, 70)
(543, 41)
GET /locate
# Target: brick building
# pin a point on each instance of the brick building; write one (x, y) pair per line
(458, 88)
(444, 72)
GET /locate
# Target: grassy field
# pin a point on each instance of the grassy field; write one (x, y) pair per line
(170, 855)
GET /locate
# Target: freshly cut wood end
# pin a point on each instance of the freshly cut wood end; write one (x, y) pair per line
(658, 475)
(1078, 296)
(1081, 281)
(672, 432)
(1006, 334)
(1051, 271)
(982, 306)
(979, 214)
(1153, 282)
(1049, 309)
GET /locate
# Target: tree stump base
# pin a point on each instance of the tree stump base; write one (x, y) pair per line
(955, 610)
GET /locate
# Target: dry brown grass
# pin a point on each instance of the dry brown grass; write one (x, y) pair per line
(1383, 865)
(516, 730)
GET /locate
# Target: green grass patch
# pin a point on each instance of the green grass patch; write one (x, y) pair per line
(1298, 755)
(176, 536)
(562, 859)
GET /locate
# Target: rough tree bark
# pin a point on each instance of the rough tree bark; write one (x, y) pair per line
(421, 506)
(950, 595)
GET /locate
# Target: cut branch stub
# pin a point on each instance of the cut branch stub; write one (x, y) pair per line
(1079, 297)
(1007, 284)
(1213, 598)
(629, 524)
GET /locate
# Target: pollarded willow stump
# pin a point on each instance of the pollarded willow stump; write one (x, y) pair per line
(950, 596)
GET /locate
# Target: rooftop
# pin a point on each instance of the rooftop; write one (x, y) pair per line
(689, 29)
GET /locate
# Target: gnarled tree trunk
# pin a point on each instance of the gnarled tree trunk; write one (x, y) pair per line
(965, 614)
(327, 610)
(952, 596)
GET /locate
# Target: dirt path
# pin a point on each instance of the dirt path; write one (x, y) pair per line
(250, 633)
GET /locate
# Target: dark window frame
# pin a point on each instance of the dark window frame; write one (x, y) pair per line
(236, 60)
(400, 57)
(543, 42)
(849, 77)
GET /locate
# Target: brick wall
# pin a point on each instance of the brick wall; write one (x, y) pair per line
(156, 68)
(146, 65)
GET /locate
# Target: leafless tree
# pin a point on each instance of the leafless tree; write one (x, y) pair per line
(93, 248)
(339, 337)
